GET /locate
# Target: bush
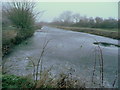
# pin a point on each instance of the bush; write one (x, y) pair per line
(12, 81)
(22, 17)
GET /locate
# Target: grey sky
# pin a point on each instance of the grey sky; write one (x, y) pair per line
(90, 9)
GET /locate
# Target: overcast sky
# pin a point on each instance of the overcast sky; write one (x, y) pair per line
(90, 9)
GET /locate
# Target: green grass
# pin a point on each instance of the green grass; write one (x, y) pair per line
(12, 81)
(46, 81)
(99, 29)
(111, 33)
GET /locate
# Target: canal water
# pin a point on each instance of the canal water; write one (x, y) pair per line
(66, 51)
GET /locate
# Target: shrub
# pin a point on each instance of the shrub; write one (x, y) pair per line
(12, 81)
(22, 17)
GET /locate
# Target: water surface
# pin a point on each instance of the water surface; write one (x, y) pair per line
(65, 50)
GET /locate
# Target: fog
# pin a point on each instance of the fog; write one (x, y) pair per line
(89, 9)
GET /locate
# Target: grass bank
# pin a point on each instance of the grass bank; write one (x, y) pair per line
(8, 36)
(12, 81)
(18, 23)
(11, 37)
(111, 33)
(25, 82)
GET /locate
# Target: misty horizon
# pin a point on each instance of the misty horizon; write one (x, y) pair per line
(53, 10)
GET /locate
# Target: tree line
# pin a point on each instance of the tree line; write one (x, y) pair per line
(68, 18)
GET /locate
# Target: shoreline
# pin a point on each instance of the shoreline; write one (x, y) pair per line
(100, 32)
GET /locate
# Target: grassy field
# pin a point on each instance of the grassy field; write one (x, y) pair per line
(111, 33)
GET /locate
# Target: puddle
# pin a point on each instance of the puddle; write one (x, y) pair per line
(105, 44)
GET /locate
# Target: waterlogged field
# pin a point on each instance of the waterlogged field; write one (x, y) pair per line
(66, 51)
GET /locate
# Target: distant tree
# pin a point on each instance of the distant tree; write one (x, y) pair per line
(57, 21)
(66, 17)
(69, 19)
(76, 17)
(91, 22)
(98, 20)
(83, 21)
(109, 23)
(119, 23)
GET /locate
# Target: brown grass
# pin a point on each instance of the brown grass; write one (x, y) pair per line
(7, 35)
(61, 81)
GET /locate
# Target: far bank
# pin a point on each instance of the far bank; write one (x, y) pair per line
(111, 33)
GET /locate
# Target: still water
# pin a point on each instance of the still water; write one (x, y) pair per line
(66, 50)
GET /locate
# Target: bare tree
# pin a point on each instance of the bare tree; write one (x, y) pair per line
(91, 22)
(98, 20)
(66, 17)
(76, 17)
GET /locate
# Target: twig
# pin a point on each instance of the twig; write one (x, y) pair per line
(115, 79)
(33, 66)
(43, 50)
(94, 67)
(101, 63)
